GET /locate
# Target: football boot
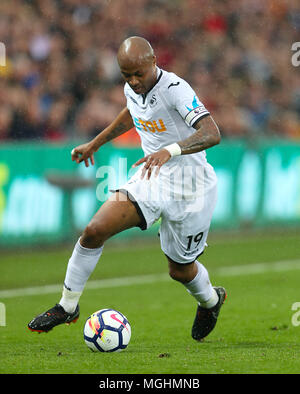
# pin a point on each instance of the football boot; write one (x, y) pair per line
(53, 317)
(206, 318)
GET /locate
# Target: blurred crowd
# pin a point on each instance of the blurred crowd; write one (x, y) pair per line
(61, 79)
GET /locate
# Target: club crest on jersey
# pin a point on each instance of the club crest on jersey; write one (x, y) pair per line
(153, 101)
(151, 125)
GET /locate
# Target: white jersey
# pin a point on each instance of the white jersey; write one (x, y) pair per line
(166, 114)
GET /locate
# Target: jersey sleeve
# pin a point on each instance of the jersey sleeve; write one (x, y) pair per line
(186, 102)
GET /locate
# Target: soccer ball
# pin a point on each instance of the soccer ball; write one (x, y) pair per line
(107, 330)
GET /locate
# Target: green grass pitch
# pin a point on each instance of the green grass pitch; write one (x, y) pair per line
(254, 333)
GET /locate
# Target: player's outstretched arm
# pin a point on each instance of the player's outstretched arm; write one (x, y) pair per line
(119, 126)
(207, 134)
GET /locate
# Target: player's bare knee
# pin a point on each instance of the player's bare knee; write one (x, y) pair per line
(183, 273)
(174, 275)
(177, 275)
(94, 236)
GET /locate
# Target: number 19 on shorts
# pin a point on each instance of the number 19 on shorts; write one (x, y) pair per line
(193, 241)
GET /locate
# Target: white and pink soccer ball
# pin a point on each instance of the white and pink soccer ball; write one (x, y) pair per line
(107, 330)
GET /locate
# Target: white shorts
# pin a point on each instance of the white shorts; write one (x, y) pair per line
(185, 220)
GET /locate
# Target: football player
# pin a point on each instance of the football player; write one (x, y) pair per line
(173, 182)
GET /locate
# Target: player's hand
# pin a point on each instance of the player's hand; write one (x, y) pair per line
(153, 162)
(84, 152)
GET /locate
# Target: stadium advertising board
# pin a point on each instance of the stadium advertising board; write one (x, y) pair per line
(43, 197)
